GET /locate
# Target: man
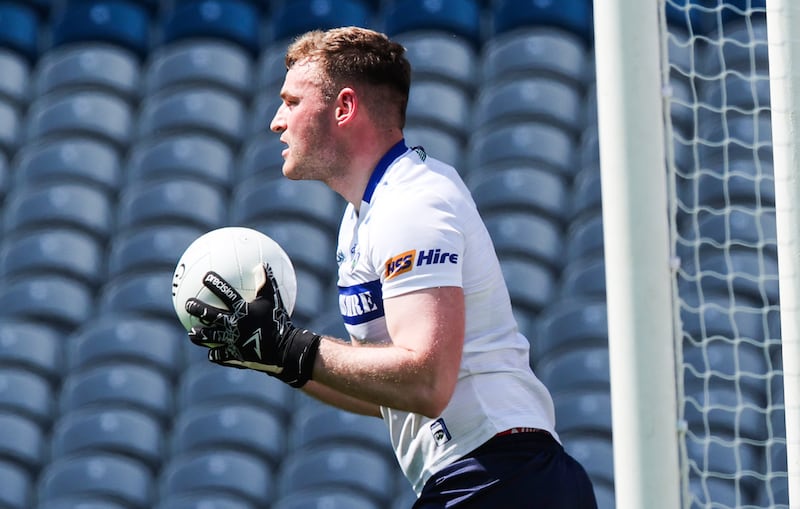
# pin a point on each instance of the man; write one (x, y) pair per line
(434, 349)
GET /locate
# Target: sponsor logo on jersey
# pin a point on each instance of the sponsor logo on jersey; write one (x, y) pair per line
(441, 435)
(361, 303)
(405, 262)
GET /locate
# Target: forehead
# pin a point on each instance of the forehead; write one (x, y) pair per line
(302, 77)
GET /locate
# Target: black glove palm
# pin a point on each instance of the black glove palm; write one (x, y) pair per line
(257, 334)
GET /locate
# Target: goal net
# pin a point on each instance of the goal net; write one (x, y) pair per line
(723, 231)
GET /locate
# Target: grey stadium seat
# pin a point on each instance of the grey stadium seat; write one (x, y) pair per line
(307, 244)
(265, 105)
(318, 424)
(331, 497)
(17, 492)
(569, 325)
(173, 201)
(439, 104)
(10, 126)
(595, 454)
(271, 66)
(148, 248)
(203, 499)
(576, 370)
(583, 278)
(82, 501)
(527, 236)
(54, 300)
(521, 189)
(744, 271)
(530, 284)
(584, 239)
(16, 76)
(261, 156)
(585, 413)
(438, 55)
(34, 347)
(22, 441)
(88, 65)
(438, 143)
(147, 294)
(27, 394)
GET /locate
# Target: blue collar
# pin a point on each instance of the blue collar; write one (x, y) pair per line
(377, 174)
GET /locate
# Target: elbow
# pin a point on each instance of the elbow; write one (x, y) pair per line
(433, 400)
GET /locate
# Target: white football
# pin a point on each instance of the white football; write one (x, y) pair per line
(236, 254)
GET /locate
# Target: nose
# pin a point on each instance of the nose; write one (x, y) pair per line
(278, 124)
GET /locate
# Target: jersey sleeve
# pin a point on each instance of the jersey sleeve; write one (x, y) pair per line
(419, 244)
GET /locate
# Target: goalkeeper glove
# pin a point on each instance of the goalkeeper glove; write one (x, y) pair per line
(257, 334)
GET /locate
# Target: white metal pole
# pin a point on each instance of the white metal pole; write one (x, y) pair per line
(637, 254)
(783, 20)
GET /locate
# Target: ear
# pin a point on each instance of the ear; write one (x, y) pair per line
(346, 106)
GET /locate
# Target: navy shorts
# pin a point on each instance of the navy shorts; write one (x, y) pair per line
(516, 471)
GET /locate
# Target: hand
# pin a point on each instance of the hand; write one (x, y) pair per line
(258, 334)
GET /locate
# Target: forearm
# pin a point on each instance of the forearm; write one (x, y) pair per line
(335, 398)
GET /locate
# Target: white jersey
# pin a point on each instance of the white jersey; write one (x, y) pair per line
(417, 228)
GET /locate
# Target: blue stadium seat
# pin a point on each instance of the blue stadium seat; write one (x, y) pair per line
(404, 498)
(536, 51)
(439, 104)
(27, 394)
(57, 301)
(330, 497)
(293, 18)
(438, 143)
(329, 322)
(523, 143)
(461, 18)
(586, 196)
(212, 385)
(203, 500)
(19, 29)
(737, 94)
(575, 370)
(531, 285)
(583, 278)
(584, 238)
(34, 347)
(236, 21)
(120, 385)
(22, 442)
(264, 106)
(527, 236)
(16, 72)
(4, 177)
(261, 156)
(78, 160)
(146, 294)
(740, 47)
(723, 454)
(317, 424)
(16, 486)
(364, 470)
(747, 272)
(113, 476)
(127, 432)
(270, 68)
(721, 410)
(585, 413)
(62, 251)
(82, 501)
(206, 62)
(173, 202)
(306, 243)
(737, 138)
(119, 22)
(744, 182)
(538, 99)
(280, 198)
(712, 231)
(192, 110)
(574, 16)
(191, 155)
(96, 66)
(219, 472)
(58, 205)
(232, 425)
(521, 189)
(83, 113)
(570, 325)
(120, 338)
(596, 455)
(149, 248)
(717, 491)
(442, 56)
(10, 126)
(311, 292)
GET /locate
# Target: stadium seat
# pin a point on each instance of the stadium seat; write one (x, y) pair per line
(439, 104)
(745, 95)
(575, 370)
(54, 300)
(748, 272)
(5, 178)
(127, 432)
(193, 155)
(156, 247)
(10, 126)
(271, 67)
(363, 470)
(721, 410)
(212, 385)
(311, 291)
(744, 182)
(88, 65)
(438, 143)
(441, 56)
(175, 202)
(279, 198)
(119, 22)
(112, 476)
(290, 19)
(203, 500)
(33, 347)
(583, 279)
(193, 110)
(22, 442)
(16, 72)
(533, 51)
(717, 491)
(586, 196)
(723, 454)
(232, 425)
(27, 394)
(219, 472)
(306, 243)
(19, 29)
(735, 138)
(461, 18)
(574, 16)
(740, 47)
(203, 62)
(537, 99)
(146, 294)
(265, 105)
(523, 143)
(61, 251)
(531, 285)
(571, 325)
(82, 501)
(526, 236)
(331, 497)
(120, 338)
(261, 157)
(78, 160)
(584, 413)
(96, 114)
(17, 484)
(235, 21)
(521, 189)
(120, 385)
(713, 231)
(596, 455)
(318, 424)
